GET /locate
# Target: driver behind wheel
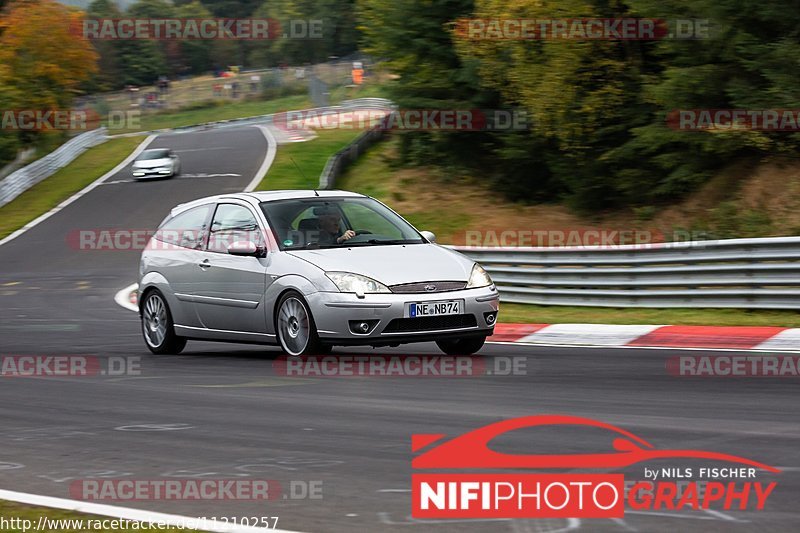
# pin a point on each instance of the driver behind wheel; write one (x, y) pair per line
(330, 231)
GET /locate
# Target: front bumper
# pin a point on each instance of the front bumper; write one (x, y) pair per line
(334, 313)
(152, 172)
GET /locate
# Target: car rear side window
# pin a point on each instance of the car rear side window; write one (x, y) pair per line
(187, 230)
(233, 223)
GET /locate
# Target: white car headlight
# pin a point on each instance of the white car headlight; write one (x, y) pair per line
(478, 278)
(361, 285)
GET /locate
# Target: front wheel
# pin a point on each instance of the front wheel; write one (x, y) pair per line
(461, 345)
(297, 332)
(157, 326)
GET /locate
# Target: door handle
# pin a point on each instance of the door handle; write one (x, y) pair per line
(205, 264)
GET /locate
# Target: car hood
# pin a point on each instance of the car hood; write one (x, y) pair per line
(394, 264)
(152, 163)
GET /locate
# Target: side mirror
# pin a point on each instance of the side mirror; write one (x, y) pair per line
(428, 235)
(244, 248)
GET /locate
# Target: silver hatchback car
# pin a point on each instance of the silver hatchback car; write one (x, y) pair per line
(307, 270)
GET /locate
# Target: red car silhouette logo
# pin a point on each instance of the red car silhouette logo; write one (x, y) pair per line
(471, 450)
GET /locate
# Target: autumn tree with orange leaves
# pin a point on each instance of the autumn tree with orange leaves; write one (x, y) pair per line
(43, 61)
(45, 55)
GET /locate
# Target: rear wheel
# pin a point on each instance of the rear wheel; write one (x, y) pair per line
(157, 325)
(461, 345)
(297, 332)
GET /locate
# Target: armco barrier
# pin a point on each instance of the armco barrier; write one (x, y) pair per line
(738, 273)
(344, 157)
(23, 179)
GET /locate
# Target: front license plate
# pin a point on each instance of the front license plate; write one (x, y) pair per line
(446, 307)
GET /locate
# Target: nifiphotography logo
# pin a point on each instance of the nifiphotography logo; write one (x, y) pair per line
(574, 494)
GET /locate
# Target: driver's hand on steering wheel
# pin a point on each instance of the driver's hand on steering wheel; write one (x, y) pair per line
(349, 234)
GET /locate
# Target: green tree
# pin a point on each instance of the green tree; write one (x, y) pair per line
(109, 74)
(414, 38)
(339, 36)
(195, 55)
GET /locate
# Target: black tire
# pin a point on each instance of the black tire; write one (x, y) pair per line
(295, 327)
(156, 317)
(461, 345)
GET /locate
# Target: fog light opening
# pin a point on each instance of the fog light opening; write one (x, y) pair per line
(362, 327)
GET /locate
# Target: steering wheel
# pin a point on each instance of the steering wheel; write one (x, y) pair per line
(363, 232)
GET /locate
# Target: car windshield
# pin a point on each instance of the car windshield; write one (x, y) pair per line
(153, 154)
(311, 223)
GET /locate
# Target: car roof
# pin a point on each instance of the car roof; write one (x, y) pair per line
(268, 196)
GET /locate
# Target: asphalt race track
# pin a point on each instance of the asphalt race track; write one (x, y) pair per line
(223, 411)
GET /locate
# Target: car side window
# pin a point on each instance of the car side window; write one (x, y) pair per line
(233, 223)
(187, 230)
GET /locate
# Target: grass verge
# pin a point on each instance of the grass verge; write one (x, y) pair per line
(413, 194)
(22, 518)
(552, 314)
(309, 156)
(49, 193)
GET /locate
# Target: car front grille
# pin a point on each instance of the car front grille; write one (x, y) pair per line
(424, 287)
(430, 323)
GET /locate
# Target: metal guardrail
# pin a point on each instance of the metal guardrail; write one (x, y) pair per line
(735, 273)
(23, 179)
(344, 157)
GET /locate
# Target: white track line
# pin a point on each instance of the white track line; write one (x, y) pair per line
(272, 149)
(126, 513)
(123, 297)
(80, 193)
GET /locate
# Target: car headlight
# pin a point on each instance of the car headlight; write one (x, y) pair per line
(478, 278)
(361, 285)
